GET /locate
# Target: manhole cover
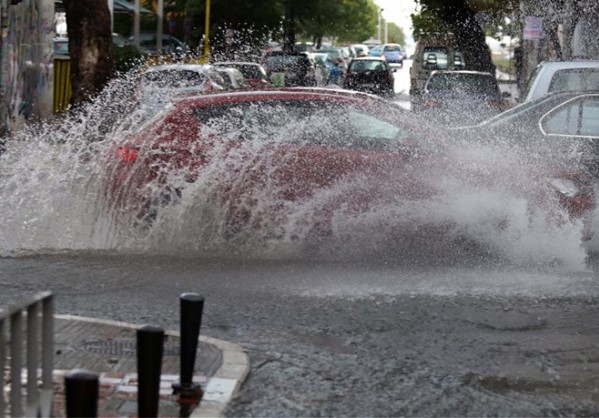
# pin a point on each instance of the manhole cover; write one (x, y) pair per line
(124, 347)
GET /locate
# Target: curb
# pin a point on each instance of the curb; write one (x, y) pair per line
(221, 387)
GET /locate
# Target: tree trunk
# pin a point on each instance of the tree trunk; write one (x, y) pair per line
(289, 27)
(90, 42)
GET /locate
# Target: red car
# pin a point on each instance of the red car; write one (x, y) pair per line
(277, 160)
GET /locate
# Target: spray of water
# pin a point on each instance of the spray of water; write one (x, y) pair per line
(480, 202)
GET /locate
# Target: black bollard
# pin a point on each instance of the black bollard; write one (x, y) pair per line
(192, 307)
(150, 342)
(81, 393)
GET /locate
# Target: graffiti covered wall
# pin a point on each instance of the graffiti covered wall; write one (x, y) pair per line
(29, 59)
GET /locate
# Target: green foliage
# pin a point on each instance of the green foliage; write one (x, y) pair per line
(395, 34)
(346, 20)
(506, 65)
(435, 14)
(254, 19)
(257, 20)
(125, 57)
(428, 22)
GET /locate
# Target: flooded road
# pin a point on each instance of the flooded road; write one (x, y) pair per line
(499, 316)
(360, 337)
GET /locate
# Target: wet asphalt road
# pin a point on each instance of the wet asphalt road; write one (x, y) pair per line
(359, 339)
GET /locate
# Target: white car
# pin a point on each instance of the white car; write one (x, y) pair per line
(160, 83)
(557, 76)
(232, 77)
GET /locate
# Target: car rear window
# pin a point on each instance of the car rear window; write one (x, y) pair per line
(284, 60)
(438, 54)
(305, 122)
(250, 71)
(174, 78)
(361, 66)
(437, 57)
(333, 53)
(575, 79)
(463, 82)
(395, 48)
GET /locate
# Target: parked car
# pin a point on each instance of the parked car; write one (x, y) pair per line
(565, 123)
(254, 73)
(304, 46)
(433, 52)
(336, 55)
(556, 76)
(170, 44)
(61, 44)
(361, 49)
(391, 52)
(322, 68)
(289, 69)
(265, 160)
(232, 77)
(160, 83)
(461, 97)
(371, 74)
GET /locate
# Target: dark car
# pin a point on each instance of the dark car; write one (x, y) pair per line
(273, 160)
(565, 124)
(61, 44)
(170, 44)
(289, 69)
(461, 97)
(370, 74)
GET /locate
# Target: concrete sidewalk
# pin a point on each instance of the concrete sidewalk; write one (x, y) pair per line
(108, 348)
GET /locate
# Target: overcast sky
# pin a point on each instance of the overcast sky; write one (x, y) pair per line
(398, 12)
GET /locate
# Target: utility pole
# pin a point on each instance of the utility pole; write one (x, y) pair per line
(379, 26)
(111, 10)
(3, 68)
(136, 13)
(206, 55)
(386, 32)
(160, 28)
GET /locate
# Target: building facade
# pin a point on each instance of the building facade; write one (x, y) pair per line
(26, 76)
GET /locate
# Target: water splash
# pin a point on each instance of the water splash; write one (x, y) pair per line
(487, 202)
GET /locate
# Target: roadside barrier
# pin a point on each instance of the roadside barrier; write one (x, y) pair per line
(150, 346)
(82, 386)
(82, 389)
(192, 307)
(62, 89)
(39, 402)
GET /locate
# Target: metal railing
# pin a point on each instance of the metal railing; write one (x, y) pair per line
(39, 401)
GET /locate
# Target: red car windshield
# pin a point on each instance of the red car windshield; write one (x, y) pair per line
(328, 123)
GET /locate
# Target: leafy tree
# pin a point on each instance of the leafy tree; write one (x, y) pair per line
(249, 19)
(462, 18)
(347, 20)
(90, 42)
(395, 34)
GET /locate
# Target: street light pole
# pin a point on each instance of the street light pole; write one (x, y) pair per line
(3, 68)
(160, 28)
(206, 55)
(111, 10)
(136, 22)
(379, 25)
(386, 31)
